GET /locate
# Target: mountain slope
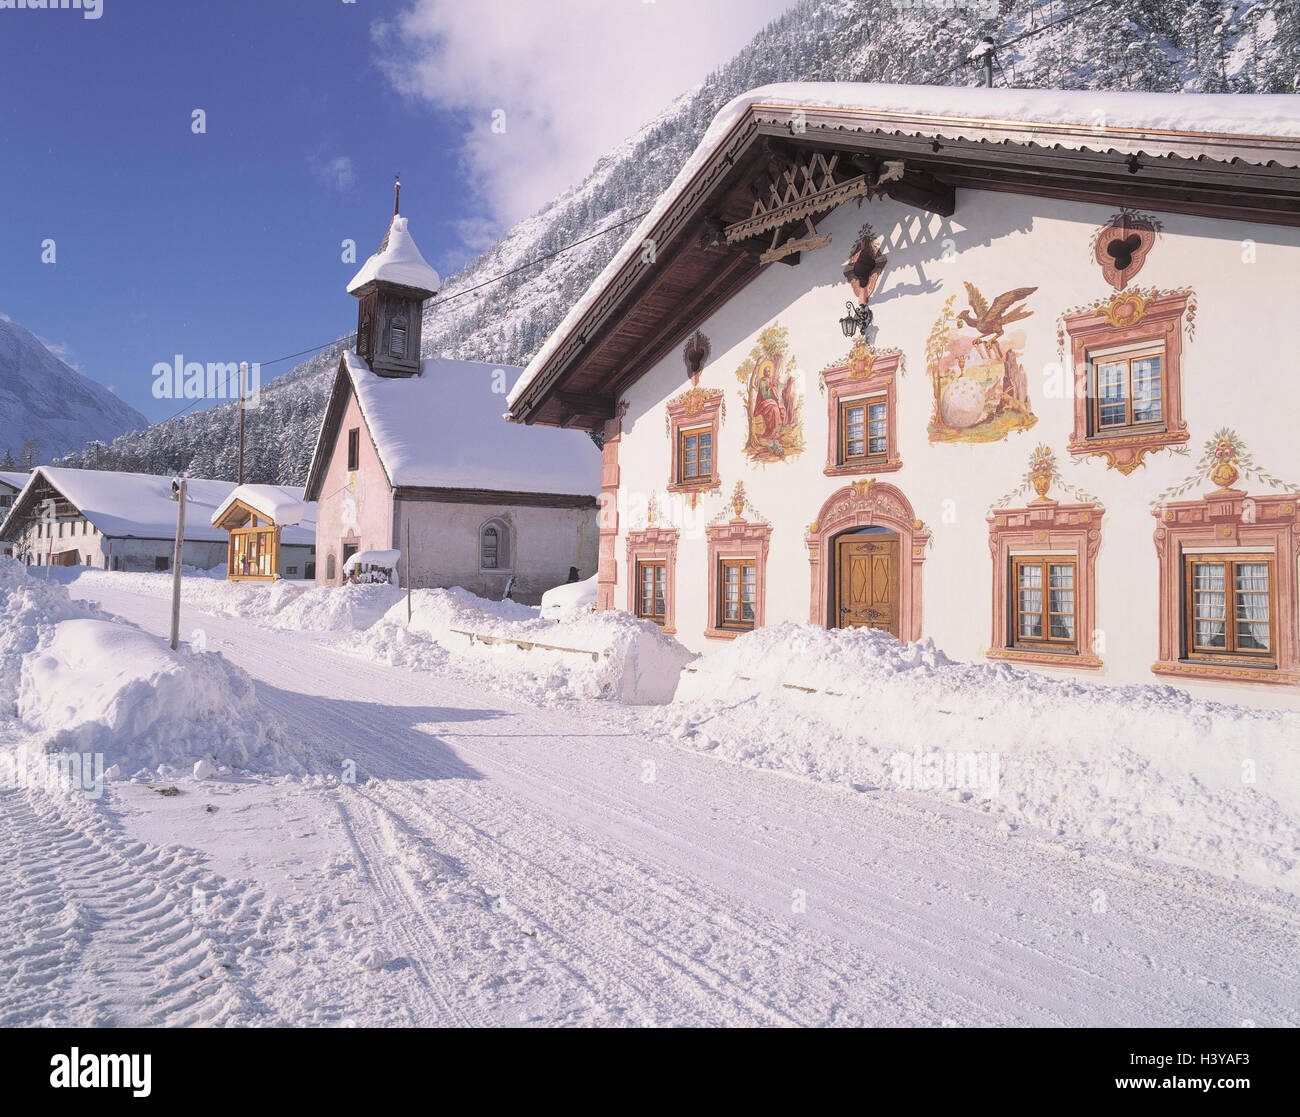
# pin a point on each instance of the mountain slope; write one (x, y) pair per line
(45, 401)
(1169, 45)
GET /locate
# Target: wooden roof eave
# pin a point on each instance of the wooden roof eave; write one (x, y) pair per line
(1250, 181)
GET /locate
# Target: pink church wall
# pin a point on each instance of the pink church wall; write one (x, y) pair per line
(354, 506)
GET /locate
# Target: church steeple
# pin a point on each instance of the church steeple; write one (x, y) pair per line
(391, 288)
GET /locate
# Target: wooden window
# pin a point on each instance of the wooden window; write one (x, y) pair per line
(695, 456)
(652, 591)
(161, 562)
(1045, 608)
(864, 430)
(1230, 609)
(491, 548)
(737, 593)
(354, 449)
(397, 340)
(1128, 392)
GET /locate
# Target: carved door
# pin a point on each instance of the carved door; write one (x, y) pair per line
(867, 582)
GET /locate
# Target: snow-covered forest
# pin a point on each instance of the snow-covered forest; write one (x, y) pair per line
(1163, 45)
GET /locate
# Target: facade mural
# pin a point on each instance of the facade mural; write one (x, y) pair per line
(1224, 461)
(773, 406)
(981, 392)
(1043, 474)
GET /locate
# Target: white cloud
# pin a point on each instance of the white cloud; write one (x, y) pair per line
(574, 78)
(337, 172)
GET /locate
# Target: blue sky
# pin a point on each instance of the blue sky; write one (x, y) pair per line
(226, 246)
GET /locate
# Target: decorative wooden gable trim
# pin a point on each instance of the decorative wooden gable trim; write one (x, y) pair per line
(1128, 318)
(654, 543)
(1229, 520)
(1046, 527)
(866, 372)
(869, 503)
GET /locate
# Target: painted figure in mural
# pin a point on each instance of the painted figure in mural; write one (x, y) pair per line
(981, 390)
(771, 398)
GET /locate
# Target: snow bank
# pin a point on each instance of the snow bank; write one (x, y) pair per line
(594, 655)
(345, 608)
(81, 681)
(100, 686)
(1145, 768)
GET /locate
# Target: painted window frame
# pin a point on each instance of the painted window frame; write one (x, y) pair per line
(1130, 321)
(1042, 531)
(698, 410)
(1229, 522)
(654, 545)
(684, 436)
(732, 542)
(866, 375)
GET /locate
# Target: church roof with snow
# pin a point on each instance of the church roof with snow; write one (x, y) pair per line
(445, 429)
(398, 261)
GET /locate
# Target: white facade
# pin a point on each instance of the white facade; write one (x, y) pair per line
(1236, 374)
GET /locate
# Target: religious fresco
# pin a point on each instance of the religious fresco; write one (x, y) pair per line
(773, 405)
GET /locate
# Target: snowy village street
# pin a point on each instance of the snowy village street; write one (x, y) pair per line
(496, 862)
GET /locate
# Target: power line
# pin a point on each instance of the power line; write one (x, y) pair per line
(1067, 18)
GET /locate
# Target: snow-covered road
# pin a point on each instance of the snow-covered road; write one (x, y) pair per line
(501, 863)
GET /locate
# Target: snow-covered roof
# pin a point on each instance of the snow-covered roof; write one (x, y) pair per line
(397, 261)
(445, 429)
(14, 480)
(283, 505)
(386, 560)
(1216, 126)
(130, 505)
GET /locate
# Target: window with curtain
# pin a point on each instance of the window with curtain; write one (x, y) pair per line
(1044, 604)
(651, 602)
(1230, 606)
(695, 456)
(863, 430)
(738, 591)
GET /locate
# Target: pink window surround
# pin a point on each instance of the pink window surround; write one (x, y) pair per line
(1041, 528)
(865, 374)
(696, 408)
(869, 503)
(1227, 520)
(607, 560)
(654, 544)
(1129, 318)
(735, 539)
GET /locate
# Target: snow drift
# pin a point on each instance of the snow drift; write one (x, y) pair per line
(585, 655)
(81, 681)
(1146, 768)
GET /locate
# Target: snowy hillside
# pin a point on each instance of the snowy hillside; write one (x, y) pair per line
(48, 405)
(1170, 45)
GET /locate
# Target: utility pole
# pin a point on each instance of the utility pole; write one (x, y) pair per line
(239, 470)
(178, 495)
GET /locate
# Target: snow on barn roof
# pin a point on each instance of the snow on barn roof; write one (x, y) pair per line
(283, 505)
(129, 505)
(445, 429)
(14, 480)
(397, 261)
(1225, 127)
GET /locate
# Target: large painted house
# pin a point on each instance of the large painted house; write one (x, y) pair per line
(415, 455)
(1008, 368)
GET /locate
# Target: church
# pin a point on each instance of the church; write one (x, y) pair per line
(1006, 368)
(414, 455)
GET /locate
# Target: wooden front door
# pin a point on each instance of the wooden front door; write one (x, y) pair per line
(867, 581)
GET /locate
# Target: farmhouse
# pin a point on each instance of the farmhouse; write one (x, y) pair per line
(1000, 367)
(414, 455)
(115, 521)
(272, 533)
